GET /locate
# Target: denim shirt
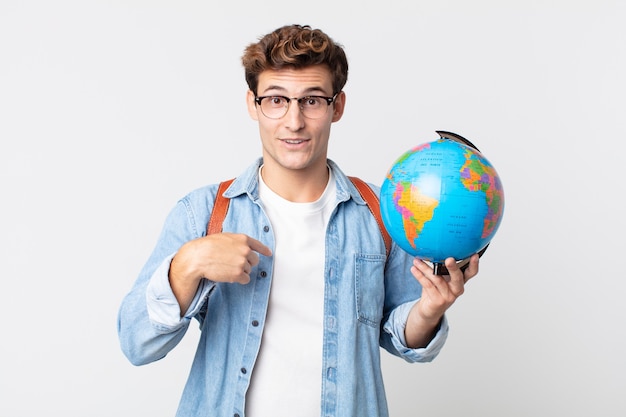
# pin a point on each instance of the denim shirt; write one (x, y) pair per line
(367, 299)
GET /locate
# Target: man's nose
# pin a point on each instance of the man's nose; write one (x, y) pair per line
(294, 116)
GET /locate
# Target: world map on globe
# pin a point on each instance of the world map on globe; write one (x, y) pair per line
(442, 199)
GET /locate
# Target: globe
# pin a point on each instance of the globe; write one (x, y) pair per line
(442, 199)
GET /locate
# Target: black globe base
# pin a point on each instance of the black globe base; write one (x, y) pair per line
(440, 269)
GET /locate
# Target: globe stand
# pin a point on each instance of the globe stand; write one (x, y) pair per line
(455, 137)
(439, 268)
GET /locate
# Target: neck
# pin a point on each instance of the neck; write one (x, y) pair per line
(298, 187)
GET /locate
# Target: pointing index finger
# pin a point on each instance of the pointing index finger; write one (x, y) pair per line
(259, 247)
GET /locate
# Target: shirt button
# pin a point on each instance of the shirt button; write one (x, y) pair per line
(255, 323)
(236, 415)
(244, 371)
(263, 274)
(266, 229)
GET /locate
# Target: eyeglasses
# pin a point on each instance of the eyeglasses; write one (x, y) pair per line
(312, 107)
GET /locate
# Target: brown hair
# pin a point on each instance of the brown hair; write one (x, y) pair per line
(295, 46)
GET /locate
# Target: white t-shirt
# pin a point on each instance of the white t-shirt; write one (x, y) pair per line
(287, 376)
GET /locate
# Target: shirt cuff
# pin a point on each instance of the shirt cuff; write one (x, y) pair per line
(163, 308)
(395, 327)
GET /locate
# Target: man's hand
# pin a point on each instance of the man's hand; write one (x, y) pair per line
(219, 257)
(439, 292)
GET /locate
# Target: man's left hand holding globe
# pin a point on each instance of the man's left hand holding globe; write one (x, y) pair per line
(439, 292)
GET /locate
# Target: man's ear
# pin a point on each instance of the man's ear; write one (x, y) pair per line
(252, 111)
(338, 106)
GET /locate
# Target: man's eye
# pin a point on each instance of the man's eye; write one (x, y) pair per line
(311, 101)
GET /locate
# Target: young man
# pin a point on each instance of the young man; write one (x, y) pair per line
(296, 295)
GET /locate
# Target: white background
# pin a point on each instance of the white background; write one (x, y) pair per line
(112, 110)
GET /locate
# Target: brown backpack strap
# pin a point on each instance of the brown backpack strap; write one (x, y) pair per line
(220, 207)
(373, 203)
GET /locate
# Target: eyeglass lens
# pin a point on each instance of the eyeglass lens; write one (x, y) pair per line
(312, 107)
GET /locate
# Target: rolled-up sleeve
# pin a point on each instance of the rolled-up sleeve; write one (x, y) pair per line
(163, 308)
(395, 326)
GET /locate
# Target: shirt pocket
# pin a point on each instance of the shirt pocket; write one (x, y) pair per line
(370, 288)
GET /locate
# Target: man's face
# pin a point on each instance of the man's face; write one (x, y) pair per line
(294, 142)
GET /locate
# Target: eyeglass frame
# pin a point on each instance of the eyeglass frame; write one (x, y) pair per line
(329, 101)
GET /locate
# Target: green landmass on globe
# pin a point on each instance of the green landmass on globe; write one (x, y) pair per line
(442, 199)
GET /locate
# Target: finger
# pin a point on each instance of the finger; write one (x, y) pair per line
(252, 258)
(472, 268)
(428, 287)
(244, 273)
(424, 274)
(259, 247)
(457, 278)
(422, 267)
(243, 278)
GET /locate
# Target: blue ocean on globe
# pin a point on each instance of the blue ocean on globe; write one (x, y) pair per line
(442, 199)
